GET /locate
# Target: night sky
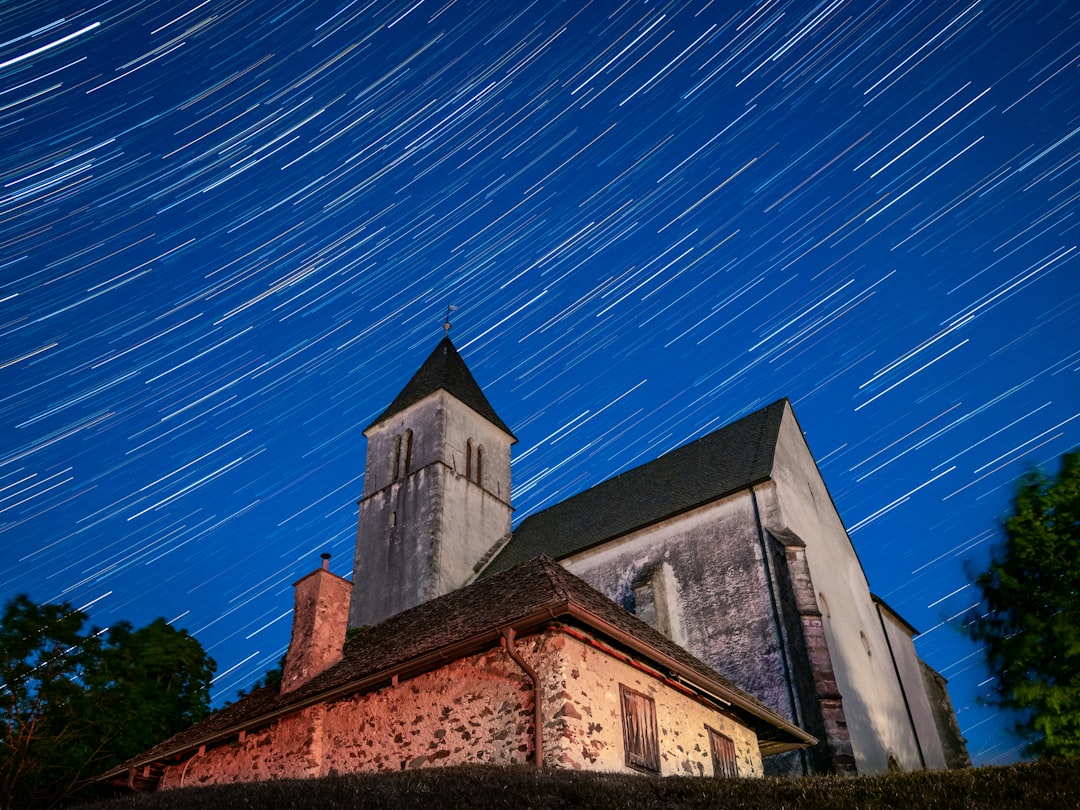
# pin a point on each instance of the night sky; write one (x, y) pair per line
(231, 230)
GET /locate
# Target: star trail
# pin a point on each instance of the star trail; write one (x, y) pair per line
(229, 232)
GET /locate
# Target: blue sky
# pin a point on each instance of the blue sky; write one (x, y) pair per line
(231, 231)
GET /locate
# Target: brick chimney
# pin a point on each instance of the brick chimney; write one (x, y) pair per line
(320, 617)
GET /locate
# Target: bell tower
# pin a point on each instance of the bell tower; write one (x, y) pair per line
(436, 490)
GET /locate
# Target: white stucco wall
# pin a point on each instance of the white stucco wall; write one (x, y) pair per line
(872, 700)
(911, 676)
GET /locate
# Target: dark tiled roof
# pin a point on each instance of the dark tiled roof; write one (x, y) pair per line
(460, 623)
(721, 463)
(444, 369)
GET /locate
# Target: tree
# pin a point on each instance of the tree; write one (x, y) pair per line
(75, 702)
(1029, 621)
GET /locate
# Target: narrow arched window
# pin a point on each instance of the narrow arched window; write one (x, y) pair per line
(480, 465)
(395, 459)
(468, 459)
(408, 452)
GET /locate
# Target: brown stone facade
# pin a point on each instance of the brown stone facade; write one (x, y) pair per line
(320, 618)
(479, 709)
(837, 740)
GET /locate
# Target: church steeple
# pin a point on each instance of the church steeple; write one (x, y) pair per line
(436, 490)
(444, 369)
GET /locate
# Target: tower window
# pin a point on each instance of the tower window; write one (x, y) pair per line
(474, 462)
(640, 738)
(401, 455)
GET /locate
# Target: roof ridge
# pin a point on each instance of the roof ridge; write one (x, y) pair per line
(549, 568)
(728, 459)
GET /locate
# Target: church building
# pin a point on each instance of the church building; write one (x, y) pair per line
(702, 614)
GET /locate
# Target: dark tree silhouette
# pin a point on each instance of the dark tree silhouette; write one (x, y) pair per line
(74, 702)
(1029, 621)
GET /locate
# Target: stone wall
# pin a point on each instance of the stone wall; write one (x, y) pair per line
(476, 710)
(583, 720)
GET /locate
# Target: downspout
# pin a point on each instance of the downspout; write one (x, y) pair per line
(508, 635)
(183, 773)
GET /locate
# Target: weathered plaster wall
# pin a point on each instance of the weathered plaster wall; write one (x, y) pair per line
(476, 710)
(395, 566)
(733, 622)
(583, 716)
(953, 744)
(419, 536)
(873, 704)
(720, 587)
(479, 710)
(911, 677)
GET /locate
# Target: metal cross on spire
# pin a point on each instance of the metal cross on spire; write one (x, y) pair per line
(446, 324)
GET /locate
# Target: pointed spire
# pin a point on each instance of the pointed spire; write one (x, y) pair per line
(444, 369)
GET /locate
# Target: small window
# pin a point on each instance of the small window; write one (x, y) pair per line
(639, 731)
(395, 459)
(474, 462)
(408, 452)
(723, 754)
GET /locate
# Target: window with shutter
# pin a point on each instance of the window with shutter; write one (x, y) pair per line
(723, 754)
(639, 731)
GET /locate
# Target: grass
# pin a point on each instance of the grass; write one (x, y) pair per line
(1036, 786)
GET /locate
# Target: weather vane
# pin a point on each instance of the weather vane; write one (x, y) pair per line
(446, 324)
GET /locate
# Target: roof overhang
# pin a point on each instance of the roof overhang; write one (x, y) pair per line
(775, 733)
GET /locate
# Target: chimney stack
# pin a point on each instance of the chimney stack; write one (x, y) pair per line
(320, 618)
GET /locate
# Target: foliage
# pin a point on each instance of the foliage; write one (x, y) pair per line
(1030, 618)
(271, 678)
(74, 702)
(1048, 785)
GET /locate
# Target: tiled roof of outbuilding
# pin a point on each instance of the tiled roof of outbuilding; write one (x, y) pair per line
(526, 597)
(444, 369)
(719, 464)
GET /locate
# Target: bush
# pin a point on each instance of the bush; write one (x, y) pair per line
(1044, 785)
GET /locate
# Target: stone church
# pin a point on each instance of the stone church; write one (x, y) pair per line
(704, 613)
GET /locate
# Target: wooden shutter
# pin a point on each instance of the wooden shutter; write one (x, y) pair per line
(640, 737)
(723, 754)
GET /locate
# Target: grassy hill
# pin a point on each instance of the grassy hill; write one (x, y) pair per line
(1036, 786)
